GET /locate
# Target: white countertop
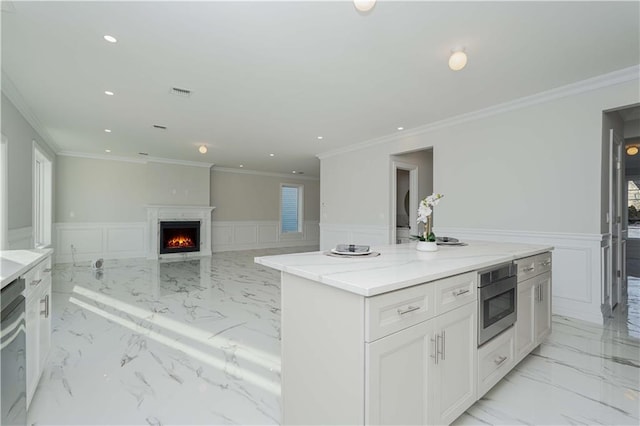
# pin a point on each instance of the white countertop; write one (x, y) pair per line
(14, 263)
(398, 266)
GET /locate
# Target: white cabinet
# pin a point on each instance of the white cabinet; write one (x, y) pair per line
(424, 374)
(453, 386)
(495, 359)
(534, 303)
(38, 322)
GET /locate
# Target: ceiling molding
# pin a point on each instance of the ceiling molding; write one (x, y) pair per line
(179, 162)
(14, 95)
(258, 173)
(610, 79)
(133, 159)
(101, 157)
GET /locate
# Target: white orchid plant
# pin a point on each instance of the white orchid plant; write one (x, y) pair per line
(424, 216)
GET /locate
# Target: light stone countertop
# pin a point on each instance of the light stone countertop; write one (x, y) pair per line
(398, 266)
(14, 263)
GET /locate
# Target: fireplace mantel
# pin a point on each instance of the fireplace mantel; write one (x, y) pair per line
(157, 213)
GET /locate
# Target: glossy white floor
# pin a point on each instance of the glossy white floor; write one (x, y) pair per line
(197, 342)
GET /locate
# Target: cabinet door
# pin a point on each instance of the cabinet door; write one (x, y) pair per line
(44, 330)
(32, 351)
(453, 388)
(398, 370)
(543, 307)
(525, 324)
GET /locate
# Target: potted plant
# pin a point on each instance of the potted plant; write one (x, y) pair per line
(427, 240)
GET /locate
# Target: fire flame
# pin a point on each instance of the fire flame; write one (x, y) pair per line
(180, 241)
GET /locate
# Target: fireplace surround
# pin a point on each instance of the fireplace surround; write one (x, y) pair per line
(172, 215)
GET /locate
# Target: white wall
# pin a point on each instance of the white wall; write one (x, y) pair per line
(632, 129)
(247, 211)
(20, 136)
(530, 169)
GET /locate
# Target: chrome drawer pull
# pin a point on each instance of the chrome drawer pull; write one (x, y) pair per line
(47, 270)
(546, 263)
(45, 312)
(435, 349)
(529, 269)
(409, 309)
(461, 292)
(36, 282)
(500, 360)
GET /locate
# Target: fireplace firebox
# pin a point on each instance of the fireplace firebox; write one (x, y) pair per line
(179, 237)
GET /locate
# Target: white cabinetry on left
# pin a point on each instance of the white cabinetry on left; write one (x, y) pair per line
(38, 319)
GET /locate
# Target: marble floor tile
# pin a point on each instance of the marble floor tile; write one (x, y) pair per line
(198, 342)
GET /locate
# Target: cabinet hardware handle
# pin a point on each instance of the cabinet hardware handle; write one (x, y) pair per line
(500, 360)
(47, 270)
(529, 269)
(440, 345)
(45, 312)
(435, 349)
(409, 309)
(546, 263)
(444, 344)
(36, 282)
(461, 292)
(541, 294)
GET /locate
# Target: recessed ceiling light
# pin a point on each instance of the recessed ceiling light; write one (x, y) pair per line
(400, 128)
(107, 150)
(107, 130)
(108, 93)
(272, 155)
(241, 165)
(320, 138)
(364, 5)
(110, 39)
(294, 172)
(202, 149)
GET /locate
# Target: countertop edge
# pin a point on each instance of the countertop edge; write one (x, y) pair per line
(370, 292)
(41, 254)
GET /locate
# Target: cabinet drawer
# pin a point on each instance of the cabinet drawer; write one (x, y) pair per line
(37, 275)
(495, 360)
(531, 266)
(456, 291)
(397, 310)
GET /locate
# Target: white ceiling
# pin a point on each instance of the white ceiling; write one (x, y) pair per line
(269, 77)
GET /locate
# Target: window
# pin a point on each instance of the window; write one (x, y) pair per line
(42, 208)
(291, 202)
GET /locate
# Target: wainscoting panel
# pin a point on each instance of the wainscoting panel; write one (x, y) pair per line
(20, 238)
(248, 235)
(81, 242)
(577, 275)
(334, 234)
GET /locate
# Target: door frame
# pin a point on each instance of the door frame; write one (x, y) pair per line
(613, 291)
(413, 197)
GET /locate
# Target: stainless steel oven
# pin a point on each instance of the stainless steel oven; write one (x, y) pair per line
(497, 300)
(13, 355)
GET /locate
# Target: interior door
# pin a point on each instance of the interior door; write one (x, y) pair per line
(617, 226)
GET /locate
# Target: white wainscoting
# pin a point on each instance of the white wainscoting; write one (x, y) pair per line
(248, 235)
(333, 234)
(99, 240)
(577, 266)
(20, 238)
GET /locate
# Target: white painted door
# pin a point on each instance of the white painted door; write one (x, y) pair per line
(453, 389)
(400, 367)
(543, 306)
(525, 331)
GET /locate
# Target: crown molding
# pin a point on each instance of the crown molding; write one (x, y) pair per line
(101, 157)
(610, 79)
(13, 94)
(133, 159)
(259, 173)
(179, 162)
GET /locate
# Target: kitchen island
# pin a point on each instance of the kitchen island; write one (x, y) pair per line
(392, 339)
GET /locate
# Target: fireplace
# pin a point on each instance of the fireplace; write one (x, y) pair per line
(179, 236)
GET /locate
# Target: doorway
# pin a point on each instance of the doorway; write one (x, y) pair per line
(622, 269)
(411, 178)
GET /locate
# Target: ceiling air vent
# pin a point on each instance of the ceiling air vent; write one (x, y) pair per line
(185, 93)
(159, 127)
